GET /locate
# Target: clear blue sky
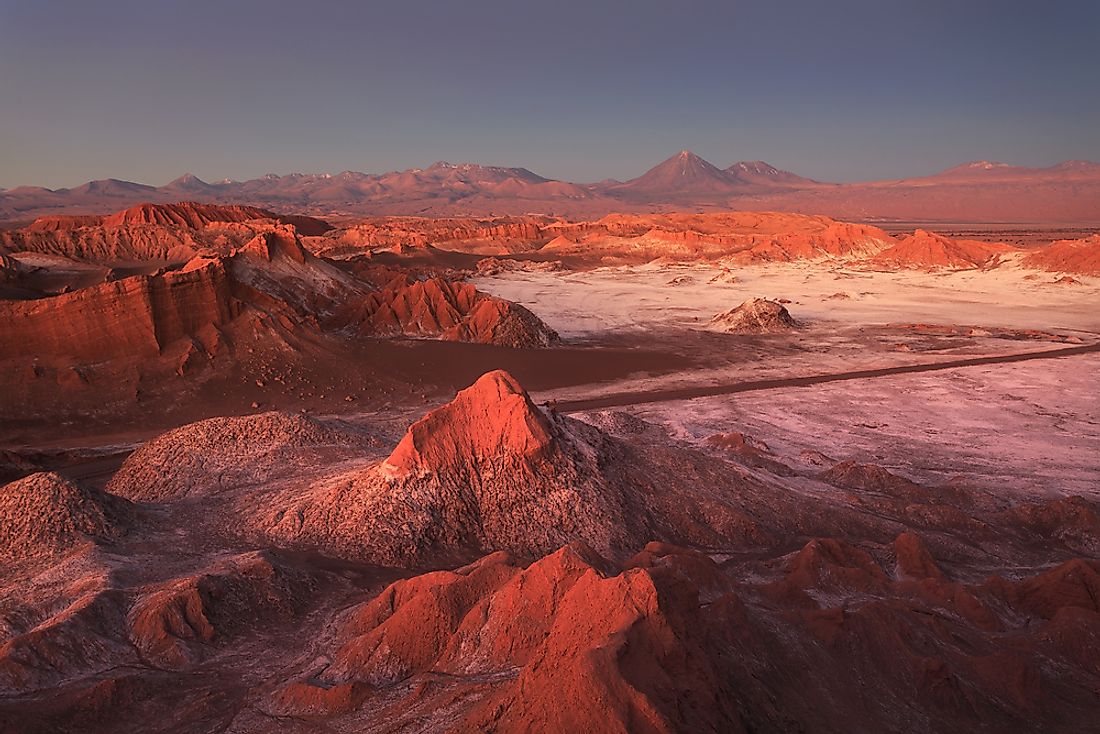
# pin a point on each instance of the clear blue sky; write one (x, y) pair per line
(832, 89)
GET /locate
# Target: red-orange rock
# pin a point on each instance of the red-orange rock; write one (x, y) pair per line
(1068, 256)
(506, 426)
(924, 249)
(448, 310)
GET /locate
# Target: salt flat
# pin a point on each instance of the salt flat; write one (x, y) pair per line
(1031, 428)
(578, 304)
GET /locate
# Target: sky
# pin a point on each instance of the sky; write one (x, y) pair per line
(838, 90)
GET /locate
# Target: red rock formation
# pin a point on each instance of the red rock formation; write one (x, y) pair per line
(80, 635)
(913, 558)
(743, 237)
(831, 563)
(508, 427)
(1067, 256)
(146, 317)
(869, 478)
(187, 214)
(496, 266)
(925, 249)
(624, 649)
(162, 232)
(1074, 521)
(136, 316)
(448, 310)
(750, 452)
(487, 471)
(1074, 584)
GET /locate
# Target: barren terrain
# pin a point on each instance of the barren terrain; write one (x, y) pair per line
(736, 471)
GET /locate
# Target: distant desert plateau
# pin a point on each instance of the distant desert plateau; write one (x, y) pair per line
(710, 450)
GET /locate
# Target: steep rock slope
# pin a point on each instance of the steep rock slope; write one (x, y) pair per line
(626, 650)
(488, 470)
(136, 316)
(162, 232)
(449, 310)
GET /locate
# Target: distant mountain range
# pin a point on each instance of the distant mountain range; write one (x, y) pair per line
(980, 191)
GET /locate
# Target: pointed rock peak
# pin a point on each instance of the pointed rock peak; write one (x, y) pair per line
(493, 419)
(832, 561)
(687, 158)
(913, 558)
(188, 180)
(282, 241)
(868, 477)
(924, 234)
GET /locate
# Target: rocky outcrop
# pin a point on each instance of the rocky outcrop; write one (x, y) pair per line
(443, 309)
(176, 624)
(158, 232)
(868, 478)
(624, 648)
(217, 454)
(732, 237)
(924, 249)
(756, 316)
(137, 316)
(1081, 257)
(187, 214)
(487, 471)
(492, 420)
(46, 514)
(142, 315)
(445, 232)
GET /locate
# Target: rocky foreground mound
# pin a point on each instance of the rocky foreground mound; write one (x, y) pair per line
(756, 316)
(489, 470)
(539, 574)
(625, 648)
(46, 514)
(670, 641)
(221, 453)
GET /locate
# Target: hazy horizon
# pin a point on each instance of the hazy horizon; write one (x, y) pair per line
(848, 92)
(719, 164)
